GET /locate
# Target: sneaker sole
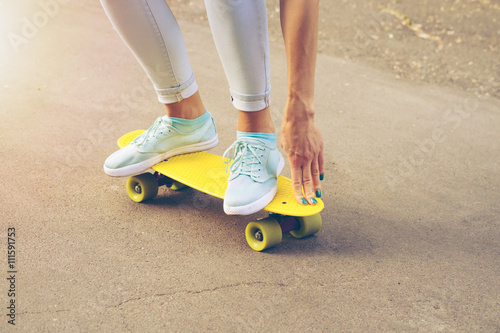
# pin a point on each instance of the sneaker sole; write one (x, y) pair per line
(258, 205)
(135, 169)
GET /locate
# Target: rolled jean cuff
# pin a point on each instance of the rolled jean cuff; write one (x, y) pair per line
(178, 93)
(250, 103)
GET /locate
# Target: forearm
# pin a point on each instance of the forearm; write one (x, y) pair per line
(299, 23)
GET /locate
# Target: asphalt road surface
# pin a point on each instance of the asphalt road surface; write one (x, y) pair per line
(410, 237)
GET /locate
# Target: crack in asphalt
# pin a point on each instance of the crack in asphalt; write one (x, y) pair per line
(39, 312)
(193, 292)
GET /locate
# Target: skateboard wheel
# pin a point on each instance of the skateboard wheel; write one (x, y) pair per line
(263, 234)
(309, 225)
(176, 186)
(142, 187)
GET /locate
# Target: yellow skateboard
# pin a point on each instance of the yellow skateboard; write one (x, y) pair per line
(206, 172)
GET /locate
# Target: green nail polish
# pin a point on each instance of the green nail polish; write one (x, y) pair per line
(322, 176)
(314, 201)
(304, 201)
(318, 193)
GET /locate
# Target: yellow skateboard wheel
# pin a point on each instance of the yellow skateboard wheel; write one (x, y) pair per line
(309, 225)
(142, 187)
(176, 186)
(263, 234)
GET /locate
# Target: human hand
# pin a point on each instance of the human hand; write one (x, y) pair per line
(303, 144)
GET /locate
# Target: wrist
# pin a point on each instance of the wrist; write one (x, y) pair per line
(299, 108)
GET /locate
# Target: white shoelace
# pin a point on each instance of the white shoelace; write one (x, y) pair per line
(159, 126)
(244, 155)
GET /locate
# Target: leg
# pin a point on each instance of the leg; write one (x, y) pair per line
(240, 34)
(256, 121)
(151, 32)
(189, 108)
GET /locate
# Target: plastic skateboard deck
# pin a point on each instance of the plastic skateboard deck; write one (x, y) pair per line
(206, 172)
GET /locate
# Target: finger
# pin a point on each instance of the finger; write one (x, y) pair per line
(316, 177)
(321, 164)
(307, 184)
(296, 173)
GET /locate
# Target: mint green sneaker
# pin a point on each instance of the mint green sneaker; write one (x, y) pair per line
(159, 142)
(253, 177)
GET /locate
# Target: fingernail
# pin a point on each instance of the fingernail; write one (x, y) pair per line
(318, 193)
(304, 201)
(322, 176)
(314, 201)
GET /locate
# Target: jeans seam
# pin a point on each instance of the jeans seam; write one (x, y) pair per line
(263, 39)
(160, 35)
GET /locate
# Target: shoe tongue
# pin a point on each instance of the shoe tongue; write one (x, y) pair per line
(165, 120)
(163, 123)
(160, 122)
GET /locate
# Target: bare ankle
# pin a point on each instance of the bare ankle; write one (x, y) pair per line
(256, 121)
(189, 108)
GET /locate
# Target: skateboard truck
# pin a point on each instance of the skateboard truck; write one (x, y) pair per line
(287, 223)
(167, 181)
(163, 180)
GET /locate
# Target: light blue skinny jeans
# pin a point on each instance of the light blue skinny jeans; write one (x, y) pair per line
(240, 32)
